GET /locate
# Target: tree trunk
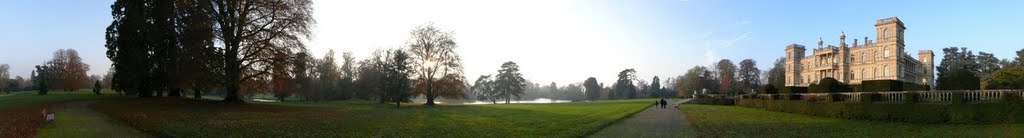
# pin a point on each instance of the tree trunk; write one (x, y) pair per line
(196, 93)
(398, 104)
(231, 72)
(175, 92)
(143, 90)
(430, 92)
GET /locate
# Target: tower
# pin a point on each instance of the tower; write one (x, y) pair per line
(928, 67)
(794, 54)
(890, 35)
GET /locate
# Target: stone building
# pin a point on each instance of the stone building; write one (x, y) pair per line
(883, 59)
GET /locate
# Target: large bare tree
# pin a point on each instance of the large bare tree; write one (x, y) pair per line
(434, 57)
(252, 30)
(4, 76)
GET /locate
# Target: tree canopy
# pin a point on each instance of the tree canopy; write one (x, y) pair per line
(434, 57)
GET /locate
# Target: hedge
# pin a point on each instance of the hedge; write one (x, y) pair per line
(1008, 111)
(793, 89)
(703, 99)
(888, 85)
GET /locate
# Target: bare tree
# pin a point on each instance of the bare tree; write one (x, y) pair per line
(251, 31)
(4, 76)
(434, 57)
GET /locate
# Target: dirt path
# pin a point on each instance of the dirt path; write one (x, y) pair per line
(652, 122)
(76, 119)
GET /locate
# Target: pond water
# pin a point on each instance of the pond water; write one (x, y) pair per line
(264, 100)
(538, 100)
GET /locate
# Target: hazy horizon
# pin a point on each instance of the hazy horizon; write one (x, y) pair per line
(565, 41)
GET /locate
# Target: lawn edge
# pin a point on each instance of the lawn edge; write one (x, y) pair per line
(602, 127)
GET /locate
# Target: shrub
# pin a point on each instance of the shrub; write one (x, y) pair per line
(769, 89)
(1007, 78)
(1011, 98)
(829, 85)
(907, 86)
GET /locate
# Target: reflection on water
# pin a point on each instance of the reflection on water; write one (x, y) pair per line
(538, 100)
(264, 100)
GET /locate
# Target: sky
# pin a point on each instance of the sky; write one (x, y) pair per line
(566, 41)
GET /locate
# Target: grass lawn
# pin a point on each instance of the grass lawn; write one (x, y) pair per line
(21, 112)
(84, 122)
(201, 118)
(734, 121)
(27, 98)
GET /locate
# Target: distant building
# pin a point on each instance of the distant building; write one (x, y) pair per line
(852, 64)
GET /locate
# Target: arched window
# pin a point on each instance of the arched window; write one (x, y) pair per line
(885, 51)
(874, 72)
(862, 72)
(885, 71)
(885, 33)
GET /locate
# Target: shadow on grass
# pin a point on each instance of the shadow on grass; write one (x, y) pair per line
(204, 118)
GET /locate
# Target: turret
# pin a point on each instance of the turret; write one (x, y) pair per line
(820, 42)
(928, 66)
(842, 38)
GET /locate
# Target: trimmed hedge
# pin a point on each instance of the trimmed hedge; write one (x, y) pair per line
(793, 89)
(977, 113)
(888, 85)
(703, 99)
(829, 85)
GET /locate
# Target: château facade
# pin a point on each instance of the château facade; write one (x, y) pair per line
(883, 59)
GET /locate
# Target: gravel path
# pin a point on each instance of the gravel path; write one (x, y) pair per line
(652, 122)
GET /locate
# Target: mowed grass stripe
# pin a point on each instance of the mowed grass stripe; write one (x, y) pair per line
(201, 118)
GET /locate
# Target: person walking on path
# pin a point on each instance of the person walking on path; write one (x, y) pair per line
(663, 103)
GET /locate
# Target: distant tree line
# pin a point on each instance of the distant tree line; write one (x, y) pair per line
(726, 78)
(961, 69)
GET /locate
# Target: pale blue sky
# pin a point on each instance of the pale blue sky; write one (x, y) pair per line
(565, 41)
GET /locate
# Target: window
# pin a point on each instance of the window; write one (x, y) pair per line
(863, 56)
(874, 73)
(885, 71)
(885, 51)
(885, 33)
(862, 72)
